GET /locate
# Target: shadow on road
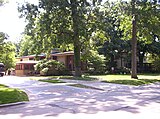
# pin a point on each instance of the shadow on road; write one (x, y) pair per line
(52, 100)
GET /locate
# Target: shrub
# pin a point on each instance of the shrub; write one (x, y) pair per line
(95, 62)
(156, 65)
(122, 70)
(51, 67)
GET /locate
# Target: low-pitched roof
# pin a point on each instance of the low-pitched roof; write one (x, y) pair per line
(32, 56)
(27, 62)
(63, 53)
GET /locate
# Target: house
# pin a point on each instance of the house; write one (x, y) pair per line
(25, 64)
(25, 67)
(67, 58)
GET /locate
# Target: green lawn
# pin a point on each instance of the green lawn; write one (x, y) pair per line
(52, 81)
(41, 78)
(126, 79)
(11, 95)
(119, 79)
(85, 86)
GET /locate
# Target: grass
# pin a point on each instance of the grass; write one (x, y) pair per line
(133, 81)
(52, 81)
(126, 79)
(63, 77)
(11, 95)
(84, 86)
(119, 79)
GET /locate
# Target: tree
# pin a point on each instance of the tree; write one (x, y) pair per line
(109, 38)
(7, 51)
(25, 46)
(134, 42)
(54, 23)
(2, 2)
(144, 48)
(145, 19)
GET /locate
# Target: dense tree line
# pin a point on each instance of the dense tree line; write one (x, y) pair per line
(90, 26)
(7, 51)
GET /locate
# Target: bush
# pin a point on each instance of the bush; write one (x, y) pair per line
(95, 62)
(122, 70)
(51, 67)
(156, 65)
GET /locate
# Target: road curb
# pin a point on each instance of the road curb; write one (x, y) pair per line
(13, 104)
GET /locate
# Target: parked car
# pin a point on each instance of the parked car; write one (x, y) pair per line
(2, 69)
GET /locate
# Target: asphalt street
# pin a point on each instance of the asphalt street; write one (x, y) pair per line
(98, 101)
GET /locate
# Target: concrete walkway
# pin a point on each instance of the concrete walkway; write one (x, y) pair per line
(67, 102)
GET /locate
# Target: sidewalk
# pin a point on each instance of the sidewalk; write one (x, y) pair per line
(67, 102)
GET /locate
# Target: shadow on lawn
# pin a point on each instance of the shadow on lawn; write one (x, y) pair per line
(53, 100)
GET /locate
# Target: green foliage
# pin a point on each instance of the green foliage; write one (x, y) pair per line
(60, 24)
(7, 51)
(53, 81)
(156, 63)
(82, 25)
(25, 46)
(96, 62)
(85, 87)
(122, 70)
(148, 17)
(51, 67)
(10, 95)
(133, 81)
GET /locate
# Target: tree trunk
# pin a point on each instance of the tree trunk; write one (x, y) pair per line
(141, 57)
(134, 44)
(76, 41)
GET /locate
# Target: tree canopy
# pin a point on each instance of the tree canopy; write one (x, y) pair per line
(84, 26)
(7, 51)
(56, 24)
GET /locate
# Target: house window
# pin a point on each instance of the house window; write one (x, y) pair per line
(26, 67)
(31, 58)
(31, 67)
(18, 67)
(54, 57)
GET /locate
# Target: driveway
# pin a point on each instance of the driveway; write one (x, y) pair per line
(100, 100)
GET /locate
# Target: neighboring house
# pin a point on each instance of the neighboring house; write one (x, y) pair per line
(25, 67)
(25, 64)
(65, 57)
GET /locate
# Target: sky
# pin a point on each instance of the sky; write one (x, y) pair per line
(10, 22)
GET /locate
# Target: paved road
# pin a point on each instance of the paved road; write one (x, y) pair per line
(67, 102)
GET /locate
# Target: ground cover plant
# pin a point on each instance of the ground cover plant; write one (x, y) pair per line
(126, 79)
(118, 79)
(52, 81)
(11, 95)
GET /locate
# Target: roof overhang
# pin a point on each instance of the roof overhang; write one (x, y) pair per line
(27, 62)
(63, 53)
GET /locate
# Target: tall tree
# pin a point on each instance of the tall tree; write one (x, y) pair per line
(134, 42)
(55, 23)
(145, 17)
(7, 51)
(76, 40)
